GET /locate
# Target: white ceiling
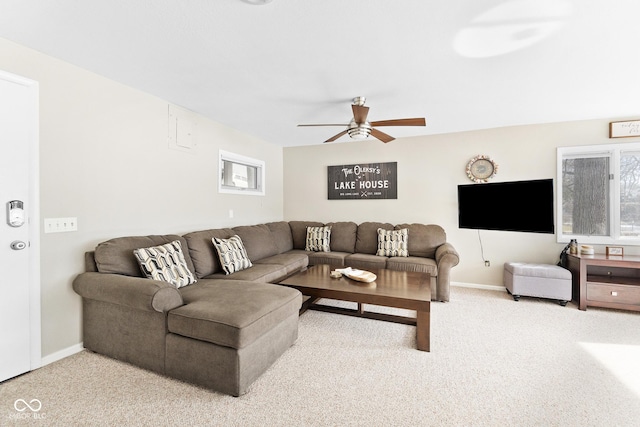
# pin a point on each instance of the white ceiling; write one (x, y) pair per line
(263, 69)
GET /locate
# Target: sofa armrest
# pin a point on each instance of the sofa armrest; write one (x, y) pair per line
(447, 255)
(134, 292)
(446, 258)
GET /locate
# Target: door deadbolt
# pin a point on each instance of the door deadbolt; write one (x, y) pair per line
(18, 245)
(15, 213)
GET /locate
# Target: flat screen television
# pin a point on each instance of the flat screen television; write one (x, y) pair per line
(510, 206)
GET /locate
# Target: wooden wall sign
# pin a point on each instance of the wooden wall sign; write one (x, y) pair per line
(625, 129)
(363, 181)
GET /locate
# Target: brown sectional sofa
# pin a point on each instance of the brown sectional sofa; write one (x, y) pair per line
(224, 331)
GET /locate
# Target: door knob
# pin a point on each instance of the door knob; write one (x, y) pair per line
(18, 245)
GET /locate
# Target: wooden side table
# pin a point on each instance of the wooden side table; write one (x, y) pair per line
(605, 281)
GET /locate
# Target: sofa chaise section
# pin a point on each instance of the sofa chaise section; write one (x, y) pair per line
(228, 332)
(221, 334)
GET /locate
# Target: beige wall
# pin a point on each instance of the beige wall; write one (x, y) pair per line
(104, 158)
(429, 170)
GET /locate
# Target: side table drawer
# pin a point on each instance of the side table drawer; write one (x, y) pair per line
(621, 294)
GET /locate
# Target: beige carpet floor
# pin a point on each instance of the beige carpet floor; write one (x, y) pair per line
(493, 362)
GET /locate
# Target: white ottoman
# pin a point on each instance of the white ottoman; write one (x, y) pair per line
(538, 280)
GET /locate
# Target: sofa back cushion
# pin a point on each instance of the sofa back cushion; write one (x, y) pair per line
(116, 255)
(299, 232)
(343, 236)
(424, 239)
(282, 235)
(367, 236)
(203, 253)
(258, 241)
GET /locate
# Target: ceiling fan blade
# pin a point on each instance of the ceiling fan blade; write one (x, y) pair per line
(360, 113)
(334, 137)
(419, 121)
(381, 136)
(332, 124)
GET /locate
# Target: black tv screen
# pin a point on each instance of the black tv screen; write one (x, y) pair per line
(510, 206)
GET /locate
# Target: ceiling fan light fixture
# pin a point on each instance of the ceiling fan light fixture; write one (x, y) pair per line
(359, 131)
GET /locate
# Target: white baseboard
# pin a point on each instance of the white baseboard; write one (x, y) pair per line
(59, 355)
(479, 286)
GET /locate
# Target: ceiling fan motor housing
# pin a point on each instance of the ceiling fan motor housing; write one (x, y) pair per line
(359, 100)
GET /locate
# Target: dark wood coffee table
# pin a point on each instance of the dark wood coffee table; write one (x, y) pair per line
(400, 289)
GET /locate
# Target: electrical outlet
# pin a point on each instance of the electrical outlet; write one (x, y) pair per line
(60, 225)
(487, 263)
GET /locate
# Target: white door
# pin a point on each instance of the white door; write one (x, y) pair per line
(19, 272)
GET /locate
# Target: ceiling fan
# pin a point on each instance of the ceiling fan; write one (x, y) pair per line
(360, 128)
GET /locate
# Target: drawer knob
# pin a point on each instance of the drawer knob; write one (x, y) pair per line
(614, 294)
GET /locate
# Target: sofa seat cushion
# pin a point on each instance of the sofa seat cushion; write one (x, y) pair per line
(232, 313)
(413, 263)
(292, 262)
(366, 261)
(264, 273)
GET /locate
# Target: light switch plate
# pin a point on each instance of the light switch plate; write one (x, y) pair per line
(60, 225)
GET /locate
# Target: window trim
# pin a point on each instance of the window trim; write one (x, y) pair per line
(226, 156)
(613, 151)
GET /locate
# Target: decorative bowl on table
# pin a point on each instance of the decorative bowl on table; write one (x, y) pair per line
(358, 275)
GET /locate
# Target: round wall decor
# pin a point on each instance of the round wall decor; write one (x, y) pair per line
(481, 168)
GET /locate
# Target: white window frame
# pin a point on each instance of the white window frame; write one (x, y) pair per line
(612, 151)
(226, 156)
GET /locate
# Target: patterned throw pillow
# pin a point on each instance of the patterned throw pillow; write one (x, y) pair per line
(165, 263)
(393, 242)
(232, 254)
(318, 239)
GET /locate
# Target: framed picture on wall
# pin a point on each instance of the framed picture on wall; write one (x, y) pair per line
(625, 129)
